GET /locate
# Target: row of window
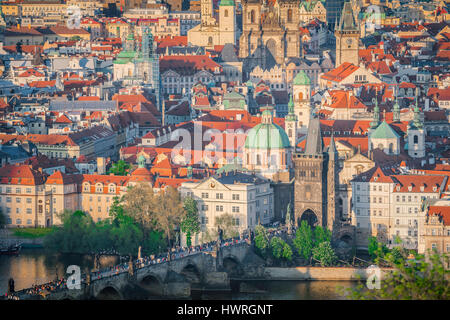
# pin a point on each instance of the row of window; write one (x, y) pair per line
(18, 200)
(19, 210)
(18, 190)
(234, 221)
(18, 221)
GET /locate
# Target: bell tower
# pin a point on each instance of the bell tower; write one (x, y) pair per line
(347, 38)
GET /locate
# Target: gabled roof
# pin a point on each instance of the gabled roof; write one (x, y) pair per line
(384, 131)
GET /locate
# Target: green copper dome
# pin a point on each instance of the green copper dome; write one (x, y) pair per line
(226, 3)
(267, 136)
(302, 79)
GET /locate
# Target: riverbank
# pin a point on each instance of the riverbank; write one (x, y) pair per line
(320, 273)
(8, 235)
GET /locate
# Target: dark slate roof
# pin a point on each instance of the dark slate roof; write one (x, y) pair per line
(347, 19)
(314, 143)
(228, 53)
(83, 105)
(239, 177)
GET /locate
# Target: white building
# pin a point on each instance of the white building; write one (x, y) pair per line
(247, 198)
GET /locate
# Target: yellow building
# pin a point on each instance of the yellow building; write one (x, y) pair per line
(32, 9)
(11, 10)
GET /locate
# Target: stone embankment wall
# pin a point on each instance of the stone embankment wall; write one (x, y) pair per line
(319, 273)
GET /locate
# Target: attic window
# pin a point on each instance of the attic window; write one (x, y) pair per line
(398, 188)
(434, 188)
(409, 188)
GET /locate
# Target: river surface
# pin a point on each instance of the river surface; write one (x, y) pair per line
(36, 266)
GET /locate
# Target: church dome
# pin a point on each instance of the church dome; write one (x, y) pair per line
(302, 79)
(267, 136)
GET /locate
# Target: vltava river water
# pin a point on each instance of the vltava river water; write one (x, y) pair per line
(36, 266)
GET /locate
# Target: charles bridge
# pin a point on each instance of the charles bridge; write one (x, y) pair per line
(205, 270)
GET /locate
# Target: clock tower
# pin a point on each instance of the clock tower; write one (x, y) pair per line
(347, 38)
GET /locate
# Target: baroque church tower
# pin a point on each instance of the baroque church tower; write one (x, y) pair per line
(347, 38)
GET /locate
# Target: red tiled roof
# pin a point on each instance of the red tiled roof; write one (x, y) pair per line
(418, 181)
(442, 211)
(340, 73)
(20, 174)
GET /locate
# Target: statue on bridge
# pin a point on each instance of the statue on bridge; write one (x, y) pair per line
(288, 221)
(11, 286)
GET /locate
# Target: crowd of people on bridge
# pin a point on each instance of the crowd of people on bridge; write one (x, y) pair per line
(175, 253)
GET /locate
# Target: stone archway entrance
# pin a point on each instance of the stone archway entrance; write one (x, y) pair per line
(310, 217)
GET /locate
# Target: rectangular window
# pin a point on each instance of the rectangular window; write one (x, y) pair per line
(18, 200)
(28, 190)
(219, 208)
(204, 207)
(28, 200)
(219, 195)
(17, 210)
(235, 209)
(18, 190)
(235, 196)
(204, 195)
(29, 210)
(28, 221)
(18, 221)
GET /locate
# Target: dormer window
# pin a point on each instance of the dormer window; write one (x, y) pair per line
(435, 188)
(99, 187)
(409, 188)
(398, 188)
(422, 188)
(112, 188)
(86, 187)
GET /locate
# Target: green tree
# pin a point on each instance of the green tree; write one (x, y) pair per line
(127, 237)
(120, 168)
(155, 243)
(321, 235)
(280, 249)
(376, 249)
(420, 278)
(190, 223)
(325, 254)
(303, 240)
(74, 234)
(261, 241)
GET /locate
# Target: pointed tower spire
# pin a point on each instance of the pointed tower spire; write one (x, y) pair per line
(376, 113)
(291, 116)
(396, 111)
(332, 151)
(314, 143)
(417, 120)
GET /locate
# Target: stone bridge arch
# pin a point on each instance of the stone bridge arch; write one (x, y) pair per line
(191, 272)
(109, 291)
(232, 265)
(152, 283)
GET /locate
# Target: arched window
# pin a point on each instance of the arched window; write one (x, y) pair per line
(252, 16)
(290, 132)
(210, 40)
(391, 148)
(300, 96)
(225, 14)
(307, 192)
(416, 139)
(258, 159)
(289, 15)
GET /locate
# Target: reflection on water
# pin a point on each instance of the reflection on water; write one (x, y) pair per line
(36, 266)
(284, 290)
